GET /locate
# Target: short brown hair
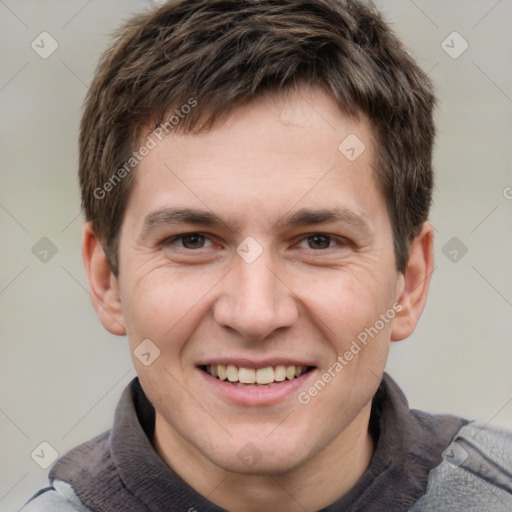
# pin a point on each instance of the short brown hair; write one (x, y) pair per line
(221, 54)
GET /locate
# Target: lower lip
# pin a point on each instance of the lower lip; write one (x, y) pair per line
(256, 395)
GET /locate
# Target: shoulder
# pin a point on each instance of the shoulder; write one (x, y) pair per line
(75, 465)
(494, 442)
(475, 474)
(60, 497)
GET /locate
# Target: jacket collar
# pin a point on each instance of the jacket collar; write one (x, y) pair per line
(120, 470)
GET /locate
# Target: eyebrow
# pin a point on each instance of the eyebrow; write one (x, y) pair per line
(180, 216)
(302, 217)
(306, 217)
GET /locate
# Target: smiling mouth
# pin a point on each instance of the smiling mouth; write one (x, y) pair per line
(268, 376)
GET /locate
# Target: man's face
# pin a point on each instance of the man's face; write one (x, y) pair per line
(253, 289)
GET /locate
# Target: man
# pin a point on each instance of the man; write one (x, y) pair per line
(256, 178)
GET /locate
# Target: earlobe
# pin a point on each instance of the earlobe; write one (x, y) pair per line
(415, 284)
(103, 285)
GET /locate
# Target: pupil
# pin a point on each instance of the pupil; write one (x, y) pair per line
(193, 240)
(319, 240)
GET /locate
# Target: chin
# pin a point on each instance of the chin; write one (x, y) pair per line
(260, 457)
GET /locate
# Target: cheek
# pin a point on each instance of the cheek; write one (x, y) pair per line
(345, 302)
(165, 307)
(348, 312)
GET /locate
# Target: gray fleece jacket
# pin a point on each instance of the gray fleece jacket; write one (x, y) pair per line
(422, 463)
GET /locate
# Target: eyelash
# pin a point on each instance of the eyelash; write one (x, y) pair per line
(339, 240)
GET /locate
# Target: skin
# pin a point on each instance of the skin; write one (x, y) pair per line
(197, 298)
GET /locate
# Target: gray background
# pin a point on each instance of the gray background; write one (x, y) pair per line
(61, 373)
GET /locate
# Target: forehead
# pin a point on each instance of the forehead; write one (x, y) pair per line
(294, 123)
(276, 152)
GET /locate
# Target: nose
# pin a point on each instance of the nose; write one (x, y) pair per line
(255, 300)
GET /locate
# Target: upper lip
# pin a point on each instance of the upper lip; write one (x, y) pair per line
(251, 363)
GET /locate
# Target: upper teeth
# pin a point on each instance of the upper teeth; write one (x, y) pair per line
(251, 375)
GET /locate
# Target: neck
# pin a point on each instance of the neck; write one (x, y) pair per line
(319, 481)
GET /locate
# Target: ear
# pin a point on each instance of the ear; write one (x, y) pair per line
(415, 284)
(103, 285)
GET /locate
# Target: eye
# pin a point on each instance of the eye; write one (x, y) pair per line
(189, 241)
(319, 241)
